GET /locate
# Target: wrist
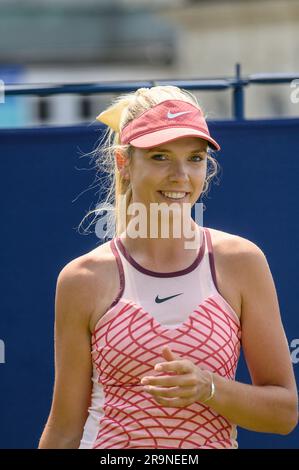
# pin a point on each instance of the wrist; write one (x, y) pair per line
(212, 388)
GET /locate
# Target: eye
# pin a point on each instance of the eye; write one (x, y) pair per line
(197, 158)
(159, 157)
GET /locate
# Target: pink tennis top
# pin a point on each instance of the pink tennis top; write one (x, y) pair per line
(183, 310)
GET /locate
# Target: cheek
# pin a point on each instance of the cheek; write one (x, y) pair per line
(200, 176)
(142, 173)
(141, 180)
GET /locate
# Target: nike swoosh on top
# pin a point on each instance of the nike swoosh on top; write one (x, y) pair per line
(158, 300)
(174, 115)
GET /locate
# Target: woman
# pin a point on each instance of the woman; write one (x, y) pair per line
(156, 323)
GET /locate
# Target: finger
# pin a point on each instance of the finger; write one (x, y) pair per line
(179, 366)
(172, 392)
(168, 354)
(170, 381)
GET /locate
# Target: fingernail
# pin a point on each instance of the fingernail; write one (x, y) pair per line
(144, 381)
(158, 368)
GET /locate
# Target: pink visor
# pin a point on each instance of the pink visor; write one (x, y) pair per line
(165, 122)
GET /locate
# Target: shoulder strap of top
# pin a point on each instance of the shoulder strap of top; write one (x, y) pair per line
(120, 272)
(211, 256)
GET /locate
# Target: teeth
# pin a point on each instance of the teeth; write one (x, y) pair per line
(174, 195)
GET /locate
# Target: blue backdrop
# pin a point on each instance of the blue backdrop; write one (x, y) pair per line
(46, 189)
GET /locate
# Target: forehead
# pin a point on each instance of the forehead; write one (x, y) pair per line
(183, 143)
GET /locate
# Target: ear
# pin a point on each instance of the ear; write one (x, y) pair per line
(122, 164)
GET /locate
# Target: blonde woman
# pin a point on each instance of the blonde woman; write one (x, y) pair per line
(148, 328)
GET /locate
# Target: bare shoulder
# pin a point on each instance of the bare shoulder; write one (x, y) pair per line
(228, 244)
(237, 253)
(88, 281)
(89, 263)
(239, 265)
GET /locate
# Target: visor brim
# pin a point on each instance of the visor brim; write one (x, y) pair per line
(167, 135)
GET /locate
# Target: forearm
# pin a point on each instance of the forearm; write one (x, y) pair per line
(52, 439)
(257, 408)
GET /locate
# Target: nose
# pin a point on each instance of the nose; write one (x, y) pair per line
(178, 172)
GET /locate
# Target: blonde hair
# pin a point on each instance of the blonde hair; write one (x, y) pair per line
(131, 105)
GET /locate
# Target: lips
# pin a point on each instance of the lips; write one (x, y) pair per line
(174, 195)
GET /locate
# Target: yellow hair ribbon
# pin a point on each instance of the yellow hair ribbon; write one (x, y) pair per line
(111, 116)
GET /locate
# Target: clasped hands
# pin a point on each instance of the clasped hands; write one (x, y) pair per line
(190, 383)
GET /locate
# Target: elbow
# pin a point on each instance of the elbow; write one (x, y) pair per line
(289, 425)
(55, 437)
(290, 421)
(53, 441)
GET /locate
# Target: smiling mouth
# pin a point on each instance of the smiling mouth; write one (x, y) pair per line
(174, 195)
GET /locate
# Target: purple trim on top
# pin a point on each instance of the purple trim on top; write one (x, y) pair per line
(143, 270)
(211, 257)
(120, 272)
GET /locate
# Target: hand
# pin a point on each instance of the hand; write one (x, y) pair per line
(189, 385)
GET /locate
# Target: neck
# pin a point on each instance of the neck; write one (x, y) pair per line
(158, 249)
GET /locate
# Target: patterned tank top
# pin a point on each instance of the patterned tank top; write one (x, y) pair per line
(183, 310)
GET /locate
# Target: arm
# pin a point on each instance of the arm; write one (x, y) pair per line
(73, 369)
(270, 403)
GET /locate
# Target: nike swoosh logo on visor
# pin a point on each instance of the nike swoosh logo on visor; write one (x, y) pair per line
(174, 115)
(158, 300)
